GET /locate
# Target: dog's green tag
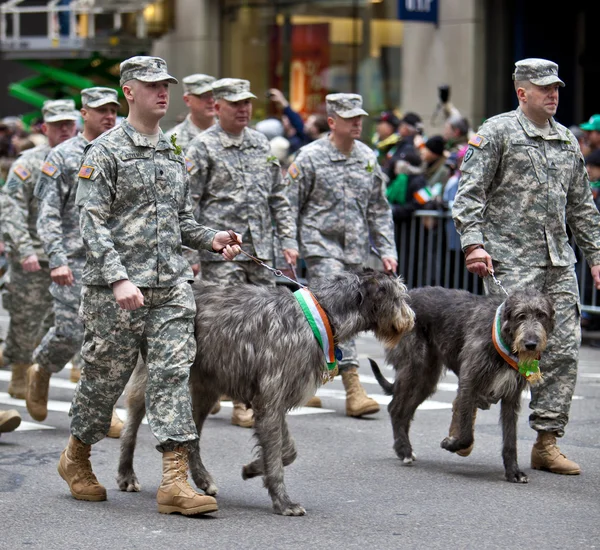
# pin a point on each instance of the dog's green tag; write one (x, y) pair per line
(529, 367)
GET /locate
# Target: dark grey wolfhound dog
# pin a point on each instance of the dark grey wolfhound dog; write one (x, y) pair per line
(453, 329)
(255, 345)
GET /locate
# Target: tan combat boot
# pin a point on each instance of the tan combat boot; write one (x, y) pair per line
(75, 468)
(453, 431)
(175, 493)
(314, 401)
(242, 415)
(9, 421)
(38, 382)
(116, 426)
(358, 403)
(18, 381)
(545, 455)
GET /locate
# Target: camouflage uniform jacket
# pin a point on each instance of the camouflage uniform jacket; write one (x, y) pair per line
(58, 219)
(340, 202)
(20, 206)
(186, 131)
(519, 190)
(136, 212)
(240, 186)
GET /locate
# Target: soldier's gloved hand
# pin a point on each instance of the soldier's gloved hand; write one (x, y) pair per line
(62, 275)
(290, 255)
(127, 295)
(31, 264)
(596, 275)
(390, 265)
(227, 243)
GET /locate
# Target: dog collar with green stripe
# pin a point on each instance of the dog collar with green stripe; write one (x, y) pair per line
(529, 368)
(319, 323)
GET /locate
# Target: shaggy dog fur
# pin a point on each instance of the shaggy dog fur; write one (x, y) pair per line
(453, 329)
(255, 345)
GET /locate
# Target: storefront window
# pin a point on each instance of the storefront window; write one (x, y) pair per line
(310, 49)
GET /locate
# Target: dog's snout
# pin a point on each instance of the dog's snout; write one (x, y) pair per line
(530, 345)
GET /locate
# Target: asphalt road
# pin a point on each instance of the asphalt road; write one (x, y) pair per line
(356, 492)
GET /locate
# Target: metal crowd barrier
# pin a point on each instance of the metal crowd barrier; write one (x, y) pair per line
(430, 254)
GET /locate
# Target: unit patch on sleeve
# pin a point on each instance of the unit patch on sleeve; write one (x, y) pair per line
(86, 172)
(476, 140)
(293, 171)
(22, 172)
(188, 164)
(49, 169)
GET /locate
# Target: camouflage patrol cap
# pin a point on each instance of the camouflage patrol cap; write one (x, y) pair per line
(345, 105)
(540, 72)
(58, 110)
(232, 89)
(145, 69)
(98, 96)
(198, 84)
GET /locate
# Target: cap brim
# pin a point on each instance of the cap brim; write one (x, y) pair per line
(161, 77)
(589, 127)
(200, 90)
(59, 118)
(238, 97)
(100, 102)
(353, 113)
(547, 80)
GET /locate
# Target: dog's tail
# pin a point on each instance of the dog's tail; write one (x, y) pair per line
(388, 387)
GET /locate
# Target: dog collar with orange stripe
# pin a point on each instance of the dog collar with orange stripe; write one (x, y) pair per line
(529, 368)
(321, 327)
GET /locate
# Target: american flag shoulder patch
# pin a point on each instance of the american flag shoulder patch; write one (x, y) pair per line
(188, 164)
(86, 172)
(49, 169)
(476, 140)
(22, 172)
(293, 171)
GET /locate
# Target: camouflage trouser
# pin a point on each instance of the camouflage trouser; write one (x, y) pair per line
(550, 399)
(29, 303)
(236, 273)
(63, 341)
(163, 330)
(325, 267)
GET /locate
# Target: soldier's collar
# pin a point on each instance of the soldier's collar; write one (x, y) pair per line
(140, 141)
(532, 131)
(336, 155)
(248, 139)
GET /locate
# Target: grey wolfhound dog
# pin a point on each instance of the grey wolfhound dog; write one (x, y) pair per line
(453, 329)
(255, 345)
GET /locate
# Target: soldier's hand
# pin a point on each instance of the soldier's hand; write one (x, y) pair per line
(479, 262)
(596, 275)
(2, 247)
(390, 265)
(127, 295)
(31, 264)
(227, 244)
(195, 269)
(290, 255)
(62, 275)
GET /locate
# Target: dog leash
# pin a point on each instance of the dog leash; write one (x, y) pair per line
(376, 252)
(276, 272)
(490, 272)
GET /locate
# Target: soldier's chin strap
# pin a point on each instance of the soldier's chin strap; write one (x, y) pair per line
(233, 239)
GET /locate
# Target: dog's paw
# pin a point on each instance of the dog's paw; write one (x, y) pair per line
(212, 490)
(409, 459)
(517, 477)
(292, 510)
(249, 471)
(453, 444)
(129, 483)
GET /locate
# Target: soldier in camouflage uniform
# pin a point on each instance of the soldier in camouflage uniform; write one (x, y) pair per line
(239, 183)
(198, 96)
(135, 217)
(338, 190)
(27, 298)
(58, 229)
(523, 180)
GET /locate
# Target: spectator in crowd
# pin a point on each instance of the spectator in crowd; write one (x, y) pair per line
(456, 133)
(411, 126)
(386, 137)
(316, 126)
(580, 135)
(592, 133)
(292, 121)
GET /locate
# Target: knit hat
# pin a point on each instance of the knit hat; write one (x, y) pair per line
(436, 145)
